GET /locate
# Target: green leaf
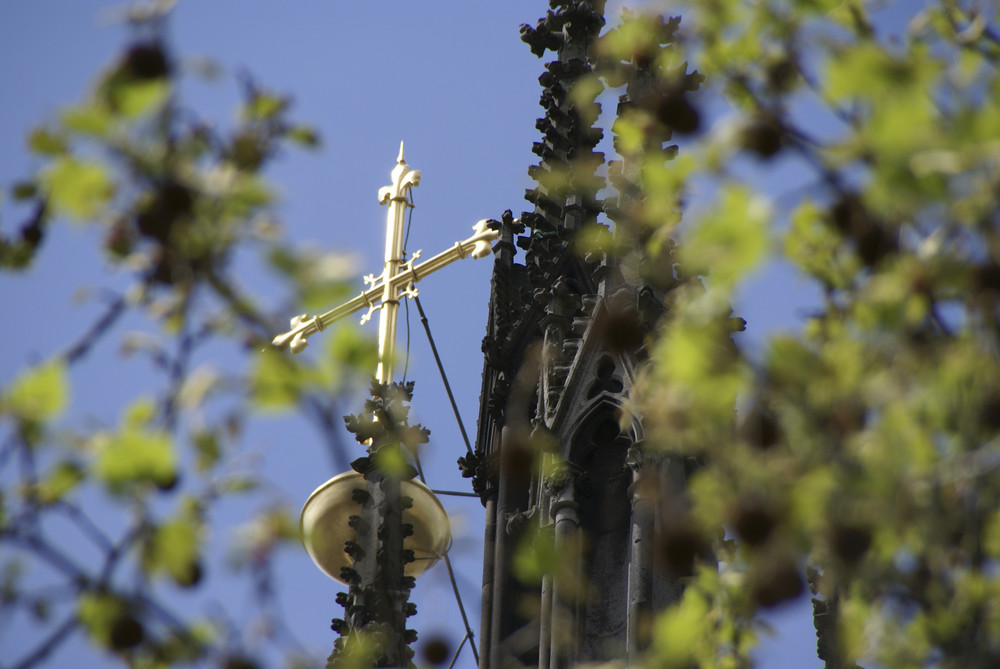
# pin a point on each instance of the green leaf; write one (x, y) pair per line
(173, 548)
(583, 95)
(94, 120)
(24, 190)
(350, 349)
(46, 142)
(991, 535)
(318, 295)
(239, 484)
(868, 71)
(133, 98)
(39, 394)
(139, 413)
(134, 456)
(304, 136)
(700, 373)
(276, 381)
(630, 131)
(264, 106)
(207, 449)
(392, 462)
(594, 239)
(247, 195)
(60, 481)
(810, 497)
(283, 259)
(76, 188)
(98, 613)
(730, 240)
(681, 629)
(817, 249)
(537, 557)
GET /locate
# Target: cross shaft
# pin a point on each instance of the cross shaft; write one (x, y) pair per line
(397, 278)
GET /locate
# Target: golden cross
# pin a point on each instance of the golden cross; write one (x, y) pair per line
(397, 278)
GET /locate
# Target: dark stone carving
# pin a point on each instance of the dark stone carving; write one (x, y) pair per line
(377, 604)
(575, 326)
(482, 470)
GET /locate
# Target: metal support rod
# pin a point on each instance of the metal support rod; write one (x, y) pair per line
(459, 650)
(444, 377)
(461, 608)
(454, 583)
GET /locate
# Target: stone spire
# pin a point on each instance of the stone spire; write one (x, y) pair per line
(558, 468)
(373, 630)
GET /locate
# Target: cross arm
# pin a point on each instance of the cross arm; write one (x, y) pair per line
(477, 246)
(303, 326)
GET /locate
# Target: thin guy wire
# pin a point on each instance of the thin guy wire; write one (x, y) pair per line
(458, 650)
(451, 577)
(469, 635)
(444, 377)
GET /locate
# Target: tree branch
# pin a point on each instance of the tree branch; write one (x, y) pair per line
(47, 645)
(83, 345)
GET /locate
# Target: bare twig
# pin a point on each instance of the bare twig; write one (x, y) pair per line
(86, 525)
(82, 346)
(50, 643)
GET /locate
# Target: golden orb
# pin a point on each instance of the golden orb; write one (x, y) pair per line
(324, 524)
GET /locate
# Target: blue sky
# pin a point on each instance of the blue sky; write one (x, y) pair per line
(453, 80)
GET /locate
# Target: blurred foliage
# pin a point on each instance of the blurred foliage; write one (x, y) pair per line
(862, 461)
(857, 142)
(169, 200)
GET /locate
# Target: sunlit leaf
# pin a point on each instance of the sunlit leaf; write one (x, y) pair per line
(681, 629)
(133, 456)
(174, 548)
(537, 557)
(78, 188)
(265, 106)
(44, 141)
(304, 135)
(276, 382)
(134, 98)
(24, 190)
(108, 621)
(93, 119)
(139, 413)
(207, 448)
(817, 249)
(583, 96)
(729, 241)
(40, 393)
(61, 479)
(351, 351)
